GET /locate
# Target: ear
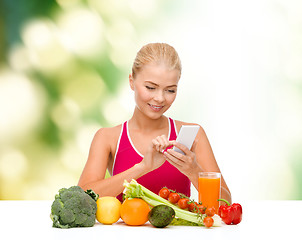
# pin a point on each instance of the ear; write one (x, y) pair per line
(131, 82)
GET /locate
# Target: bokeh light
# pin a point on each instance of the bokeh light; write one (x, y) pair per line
(21, 101)
(46, 52)
(83, 31)
(64, 74)
(13, 164)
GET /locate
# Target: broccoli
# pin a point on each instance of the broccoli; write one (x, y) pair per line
(73, 207)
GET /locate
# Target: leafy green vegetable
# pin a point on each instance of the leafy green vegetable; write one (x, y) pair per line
(73, 207)
(136, 190)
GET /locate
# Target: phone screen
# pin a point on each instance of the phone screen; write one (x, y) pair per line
(186, 136)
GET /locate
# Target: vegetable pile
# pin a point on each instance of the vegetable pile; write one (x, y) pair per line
(73, 207)
(136, 190)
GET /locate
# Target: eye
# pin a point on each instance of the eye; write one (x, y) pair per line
(171, 90)
(150, 88)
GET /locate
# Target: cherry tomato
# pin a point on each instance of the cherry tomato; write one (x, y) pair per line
(164, 193)
(208, 222)
(183, 203)
(192, 206)
(173, 197)
(210, 212)
(201, 208)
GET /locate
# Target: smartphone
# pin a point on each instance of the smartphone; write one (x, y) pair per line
(186, 136)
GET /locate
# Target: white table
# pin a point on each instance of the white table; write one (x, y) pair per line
(261, 220)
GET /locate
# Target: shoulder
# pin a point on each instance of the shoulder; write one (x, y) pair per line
(108, 135)
(109, 131)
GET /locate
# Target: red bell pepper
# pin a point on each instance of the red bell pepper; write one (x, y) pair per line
(230, 214)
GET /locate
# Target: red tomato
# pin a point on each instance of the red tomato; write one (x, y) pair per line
(192, 206)
(173, 197)
(164, 193)
(210, 212)
(201, 208)
(183, 203)
(208, 222)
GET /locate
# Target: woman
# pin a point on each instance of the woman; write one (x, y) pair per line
(134, 149)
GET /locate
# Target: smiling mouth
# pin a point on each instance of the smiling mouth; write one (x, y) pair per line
(156, 108)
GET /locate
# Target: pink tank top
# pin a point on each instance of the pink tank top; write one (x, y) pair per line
(165, 176)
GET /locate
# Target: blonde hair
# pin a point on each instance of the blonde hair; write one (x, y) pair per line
(156, 53)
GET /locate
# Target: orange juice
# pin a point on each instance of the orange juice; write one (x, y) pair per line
(209, 189)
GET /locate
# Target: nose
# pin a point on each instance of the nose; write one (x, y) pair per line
(159, 96)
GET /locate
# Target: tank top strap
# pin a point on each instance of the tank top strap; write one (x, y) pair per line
(121, 143)
(173, 129)
(123, 136)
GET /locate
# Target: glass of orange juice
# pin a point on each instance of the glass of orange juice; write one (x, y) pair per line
(209, 189)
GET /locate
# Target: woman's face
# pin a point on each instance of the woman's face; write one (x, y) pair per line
(155, 88)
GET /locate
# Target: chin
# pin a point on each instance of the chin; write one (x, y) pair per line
(156, 115)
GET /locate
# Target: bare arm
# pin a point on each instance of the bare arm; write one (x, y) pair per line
(93, 175)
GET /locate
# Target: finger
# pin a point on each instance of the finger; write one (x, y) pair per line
(156, 144)
(182, 147)
(172, 142)
(164, 142)
(171, 159)
(177, 155)
(178, 166)
(168, 145)
(161, 143)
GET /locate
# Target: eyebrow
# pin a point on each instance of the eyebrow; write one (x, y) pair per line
(158, 85)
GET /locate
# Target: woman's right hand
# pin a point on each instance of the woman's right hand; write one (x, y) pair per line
(154, 156)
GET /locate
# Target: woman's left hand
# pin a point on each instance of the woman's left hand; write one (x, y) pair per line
(185, 163)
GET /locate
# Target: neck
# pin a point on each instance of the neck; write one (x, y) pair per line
(143, 122)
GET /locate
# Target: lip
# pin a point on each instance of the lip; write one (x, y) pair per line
(155, 108)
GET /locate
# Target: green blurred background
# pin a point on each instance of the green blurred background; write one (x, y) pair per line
(64, 69)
